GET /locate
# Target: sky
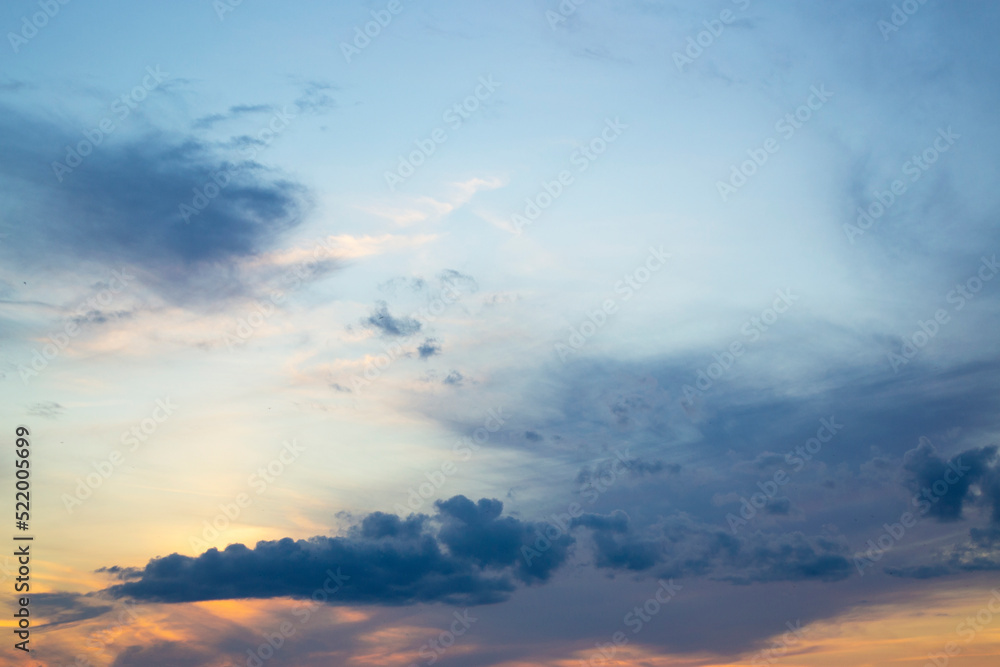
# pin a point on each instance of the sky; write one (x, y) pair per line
(526, 334)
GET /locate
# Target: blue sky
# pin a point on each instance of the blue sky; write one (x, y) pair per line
(703, 290)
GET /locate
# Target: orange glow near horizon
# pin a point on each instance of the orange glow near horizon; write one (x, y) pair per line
(902, 634)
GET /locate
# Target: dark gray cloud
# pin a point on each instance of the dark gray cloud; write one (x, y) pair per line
(680, 546)
(381, 320)
(429, 348)
(477, 532)
(466, 554)
(945, 489)
(806, 534)
(454, 378)
(955, 476)
(592, 475)
(617, 522)
(123, 203)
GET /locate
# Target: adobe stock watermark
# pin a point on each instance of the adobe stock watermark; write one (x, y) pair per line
(8, 568)
(923, 502)
(901, 13)
(223, 7)
(786, 126)
(565, 9)
(105, 468)
(796, 459)
(636, 620)
(581, 158)
(220, 180)
(928, 329)
(381, 18)
(779, 648)
(37, 21)
(99, 640)
(967, 631)
(434, 648)
(259, 482)
(87, 309)
(122, 108)
(454, 116)
(248, 325)
(915, 167)
(752, 330)
(464, 449)
(275, 640)
(697, 44)
(626, 288)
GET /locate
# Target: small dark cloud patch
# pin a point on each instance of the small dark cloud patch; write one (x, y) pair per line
(616, 522)
(429, 348)
(234, 112)
(778, 506)
(316, 97)
(101, 317)
(454, 378)
(45, 410)
(607, 471)
(383, 321)
(458, 280)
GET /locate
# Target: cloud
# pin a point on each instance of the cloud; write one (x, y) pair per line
(63, 608)
(175, 654)
(966, 469)
(460, 281)
(45, 410)
(429, 348)
(236, 111)
(478, 533)
(969, 478)
(122, 204)
(980, 553)
(466, 554)
(315, 97)
(680, 546)
(381, 320)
